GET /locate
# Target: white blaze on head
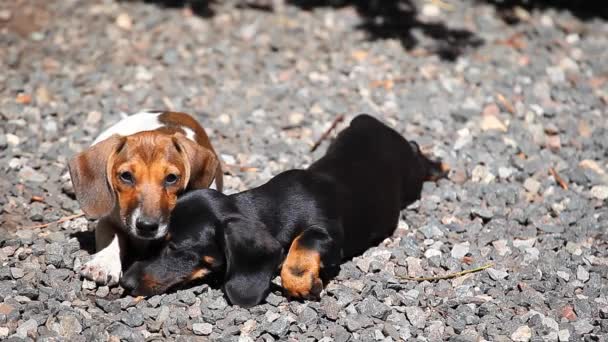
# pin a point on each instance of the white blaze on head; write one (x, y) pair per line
(138, 122)
(133, 224)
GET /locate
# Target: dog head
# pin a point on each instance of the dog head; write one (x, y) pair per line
(207, 233)
(138, 178)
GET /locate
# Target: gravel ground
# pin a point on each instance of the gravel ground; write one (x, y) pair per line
(513, 99)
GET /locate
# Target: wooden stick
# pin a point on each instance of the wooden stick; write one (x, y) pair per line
(558, 179)
(443, 5)
(242, 168)
(61, 220)
(506, 103)
(335, 123)
(449, 276)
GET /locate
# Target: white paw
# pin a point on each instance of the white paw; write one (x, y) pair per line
(104, 269)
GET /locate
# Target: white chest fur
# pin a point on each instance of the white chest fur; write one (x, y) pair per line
(138, 122)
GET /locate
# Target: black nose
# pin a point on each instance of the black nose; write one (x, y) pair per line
(146, 225)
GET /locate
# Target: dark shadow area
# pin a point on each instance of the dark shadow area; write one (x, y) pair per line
(86, 240)
(382, 19)
(582, 9)
(199, 7)
(397, 19)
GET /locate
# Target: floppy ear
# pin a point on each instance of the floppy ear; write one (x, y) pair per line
(202, 164)
(89, 171)
(253, 257)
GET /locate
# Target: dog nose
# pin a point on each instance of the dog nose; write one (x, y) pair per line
(146, 225)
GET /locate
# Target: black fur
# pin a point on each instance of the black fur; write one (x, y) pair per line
(357, 189)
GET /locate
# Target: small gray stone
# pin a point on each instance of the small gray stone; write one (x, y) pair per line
(372, 307)
(30, 175)
(27, 328)
(69, 325)
(405, 333)
(133, 318)
(484, 213)
(203, 329)
(273, 299)
(582, 274)
(460, 250)
(279, 327)
(522, 334)
(564, 335)
(330, 307)
(532, 185)
(102, 291)
(431, 231)
(17, 272)
(416, 316)
(604, 313)
(600, 192)
(88, 284)
(308, 316)
(497, 274)
(582, 326)
(187, 297)
(563, 275)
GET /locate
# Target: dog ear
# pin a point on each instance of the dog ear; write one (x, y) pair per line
(252, 257)
(89, 171)
(202, 164)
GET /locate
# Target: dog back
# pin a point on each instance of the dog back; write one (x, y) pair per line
(377, 173)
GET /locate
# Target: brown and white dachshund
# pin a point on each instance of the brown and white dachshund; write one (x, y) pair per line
(130, 178)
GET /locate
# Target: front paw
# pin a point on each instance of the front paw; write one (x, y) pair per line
(301, 284)
(103, 270)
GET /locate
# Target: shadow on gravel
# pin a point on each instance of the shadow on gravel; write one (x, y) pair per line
(382, 19)
(582, 9)
(199, 7)
(86, 240)
(397, 19)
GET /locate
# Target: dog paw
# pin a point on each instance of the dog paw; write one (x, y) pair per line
(103, 269)
(301, 284)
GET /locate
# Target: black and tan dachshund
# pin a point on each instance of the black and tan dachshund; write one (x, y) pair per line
(300, 223)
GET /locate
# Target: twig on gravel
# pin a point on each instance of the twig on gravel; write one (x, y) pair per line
(449, 276)
(242, 168)
(443, 5)
(558, 179)
(168, 103)
(506, 103)
(335, 123)
(61, 220)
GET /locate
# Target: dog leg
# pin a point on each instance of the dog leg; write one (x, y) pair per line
(307, 255)
(105, 268)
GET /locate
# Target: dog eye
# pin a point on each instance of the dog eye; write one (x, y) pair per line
(171, 179)
(127, 177)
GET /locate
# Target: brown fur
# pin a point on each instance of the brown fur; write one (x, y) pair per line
(300, 272)
(90, 177)
(149, 281)
(209, 259)
(177, 120)
(198, 274)
(150, 156)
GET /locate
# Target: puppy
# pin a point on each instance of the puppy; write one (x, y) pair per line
(130, 178)
(301, 223)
